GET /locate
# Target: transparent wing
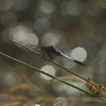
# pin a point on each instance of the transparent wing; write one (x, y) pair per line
(32, 58)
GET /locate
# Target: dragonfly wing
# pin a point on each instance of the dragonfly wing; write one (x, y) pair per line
(78, 62)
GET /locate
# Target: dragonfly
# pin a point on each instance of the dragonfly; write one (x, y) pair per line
(53, 50)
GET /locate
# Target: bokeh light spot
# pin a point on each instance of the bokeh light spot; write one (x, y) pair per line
(74, 8)
(23, 35)
(39, 13)
(51, 38)
(47, 6)
(79, 53)
(59, 87)
(48, 69)
(5, 4)
(20, 4)
(4, 98)
(8, 19)
(7, 79)
(42, 25)
(103, 3)
(73, 91)
(36, 105)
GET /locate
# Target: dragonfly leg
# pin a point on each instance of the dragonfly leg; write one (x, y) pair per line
(50, 56)
(44, 53)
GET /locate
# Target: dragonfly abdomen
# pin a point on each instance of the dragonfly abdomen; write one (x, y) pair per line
(67, 56)
(76, 61)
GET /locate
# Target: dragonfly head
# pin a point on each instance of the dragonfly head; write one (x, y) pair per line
(43, 47)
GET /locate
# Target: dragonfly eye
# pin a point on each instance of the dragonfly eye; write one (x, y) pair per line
(43, 46)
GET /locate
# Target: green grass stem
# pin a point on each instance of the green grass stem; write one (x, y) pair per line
(63, 81)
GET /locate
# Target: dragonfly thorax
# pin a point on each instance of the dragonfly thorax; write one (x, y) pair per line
(50, 49)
